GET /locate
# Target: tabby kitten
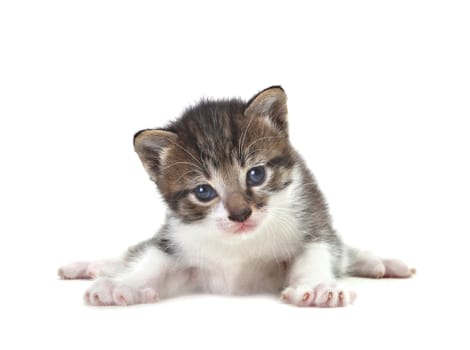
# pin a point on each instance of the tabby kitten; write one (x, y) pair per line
(245, 216)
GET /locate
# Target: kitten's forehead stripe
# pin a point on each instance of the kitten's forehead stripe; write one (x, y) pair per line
(210, 130)
(235, 139)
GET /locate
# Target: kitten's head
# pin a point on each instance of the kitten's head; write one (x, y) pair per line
(222, 161)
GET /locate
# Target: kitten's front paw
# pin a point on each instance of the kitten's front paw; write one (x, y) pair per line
(106, 292)
(322, 295)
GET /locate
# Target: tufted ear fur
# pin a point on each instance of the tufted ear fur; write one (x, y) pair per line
(151, 145)
(270, 103)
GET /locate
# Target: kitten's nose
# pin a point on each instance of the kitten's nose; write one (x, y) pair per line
(240, 216)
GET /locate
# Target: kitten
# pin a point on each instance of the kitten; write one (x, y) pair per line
(245, 216)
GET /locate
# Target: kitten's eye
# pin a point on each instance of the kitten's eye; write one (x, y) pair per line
(255, 176)
(205, 193)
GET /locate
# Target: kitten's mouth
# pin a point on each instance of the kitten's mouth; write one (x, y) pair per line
(243, 227)
(238, 227)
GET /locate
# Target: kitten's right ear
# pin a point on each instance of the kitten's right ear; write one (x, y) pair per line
(270, 103)
(150, 145)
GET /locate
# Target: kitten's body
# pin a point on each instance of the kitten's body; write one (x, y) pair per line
(245, 215)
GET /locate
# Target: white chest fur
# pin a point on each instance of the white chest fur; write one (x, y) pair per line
(254, 261)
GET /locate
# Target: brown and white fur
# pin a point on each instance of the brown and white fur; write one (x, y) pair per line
(245, 216)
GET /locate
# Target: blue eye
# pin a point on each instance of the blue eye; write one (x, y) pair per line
(255, 176)
(205, 193)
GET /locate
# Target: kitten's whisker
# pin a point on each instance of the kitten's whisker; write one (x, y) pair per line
(262, 139)
(183, 175)
(254, 151)
(288, 210)
(180, 163)
(285, 231)
(188, 153)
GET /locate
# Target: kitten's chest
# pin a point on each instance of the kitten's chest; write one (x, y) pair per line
(242, 278)
(247, 264)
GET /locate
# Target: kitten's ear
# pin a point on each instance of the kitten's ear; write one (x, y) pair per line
(270, 103)
(150, 145)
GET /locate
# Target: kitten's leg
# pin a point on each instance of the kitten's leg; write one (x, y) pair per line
(312, 282)
(91, 269)
(147, 277)
(366, 264)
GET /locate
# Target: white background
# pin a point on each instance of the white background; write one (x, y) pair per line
(379, 105)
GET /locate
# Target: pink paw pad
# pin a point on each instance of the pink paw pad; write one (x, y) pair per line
(100, 293)
(125, 295)
(107, 292)
(300, 296)
(333, 296)
(321, 295)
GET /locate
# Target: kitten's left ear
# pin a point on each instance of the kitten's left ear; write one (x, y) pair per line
(270, 103)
